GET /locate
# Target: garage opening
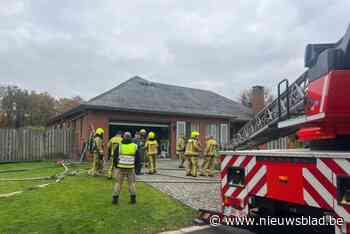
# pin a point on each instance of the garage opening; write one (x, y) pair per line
(162, 132)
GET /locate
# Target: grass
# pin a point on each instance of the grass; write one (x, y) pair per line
(82, 204)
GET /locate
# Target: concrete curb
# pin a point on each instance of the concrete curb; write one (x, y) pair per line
(187, 230)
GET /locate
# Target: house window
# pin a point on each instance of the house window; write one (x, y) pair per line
(180, 129)
(223, 134)
(194, 126)
(214, 131)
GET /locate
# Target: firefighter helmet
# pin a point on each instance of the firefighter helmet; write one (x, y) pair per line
(194, 134)
(151, 135)
(99, 131)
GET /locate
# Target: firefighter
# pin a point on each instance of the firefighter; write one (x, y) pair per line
(209, 161)
(180, 150)
(124, 160)
(151, 148)
(112, 144)
(140, 144)
(143, 139)
(192, 151)
(97, 149)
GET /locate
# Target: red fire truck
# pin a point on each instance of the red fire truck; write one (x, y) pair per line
(314, 181)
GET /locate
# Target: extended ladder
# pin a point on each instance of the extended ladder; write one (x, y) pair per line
(264, 126)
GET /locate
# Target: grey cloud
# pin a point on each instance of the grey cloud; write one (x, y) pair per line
(85, 47)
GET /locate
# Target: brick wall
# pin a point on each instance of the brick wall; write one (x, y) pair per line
(101, 119)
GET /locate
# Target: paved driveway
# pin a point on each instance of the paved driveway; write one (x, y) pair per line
(198, 193)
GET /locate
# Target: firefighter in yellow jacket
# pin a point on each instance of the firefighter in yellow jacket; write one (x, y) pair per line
(180, 150)
(112, 145)
(126, 153)
(209, 161)
(151, 148)
(143, 139)
(192, 151)
(97, 164)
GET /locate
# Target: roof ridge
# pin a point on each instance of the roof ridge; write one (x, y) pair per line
(231, 100)
(202, 90)
(116, 87)
(184, 87)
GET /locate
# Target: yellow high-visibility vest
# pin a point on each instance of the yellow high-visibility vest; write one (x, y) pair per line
(127, 154)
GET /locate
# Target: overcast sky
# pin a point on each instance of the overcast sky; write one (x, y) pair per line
(76, 47)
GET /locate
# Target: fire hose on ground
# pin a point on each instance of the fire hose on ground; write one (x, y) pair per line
(58, 178)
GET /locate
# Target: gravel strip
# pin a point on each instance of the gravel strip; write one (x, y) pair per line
(198, 193)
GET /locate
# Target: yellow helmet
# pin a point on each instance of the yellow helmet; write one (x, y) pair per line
(151, 135)
(143, 131)
(194, 134)
(99, 131)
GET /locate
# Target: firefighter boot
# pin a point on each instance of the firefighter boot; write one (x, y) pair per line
(115, 200)
(133, 199)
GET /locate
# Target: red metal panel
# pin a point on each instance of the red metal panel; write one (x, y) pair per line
(314, 96)
(285, 182)
(311, 184)
(328, 95)
(338, 95)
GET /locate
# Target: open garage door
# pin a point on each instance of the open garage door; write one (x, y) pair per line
(162, 132)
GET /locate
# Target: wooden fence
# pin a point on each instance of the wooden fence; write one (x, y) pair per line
(31, 144)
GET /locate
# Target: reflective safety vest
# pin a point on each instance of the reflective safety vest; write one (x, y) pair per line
(192, 148)
(151, 147)
(127, 154)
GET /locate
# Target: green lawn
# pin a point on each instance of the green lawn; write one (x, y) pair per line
(82, 204)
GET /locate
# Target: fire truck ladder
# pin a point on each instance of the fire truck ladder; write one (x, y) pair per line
(264, 126)
(286, 114)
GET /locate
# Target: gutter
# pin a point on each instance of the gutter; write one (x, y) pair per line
(86, 107)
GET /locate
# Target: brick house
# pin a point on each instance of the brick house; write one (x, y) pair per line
(165, 109)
